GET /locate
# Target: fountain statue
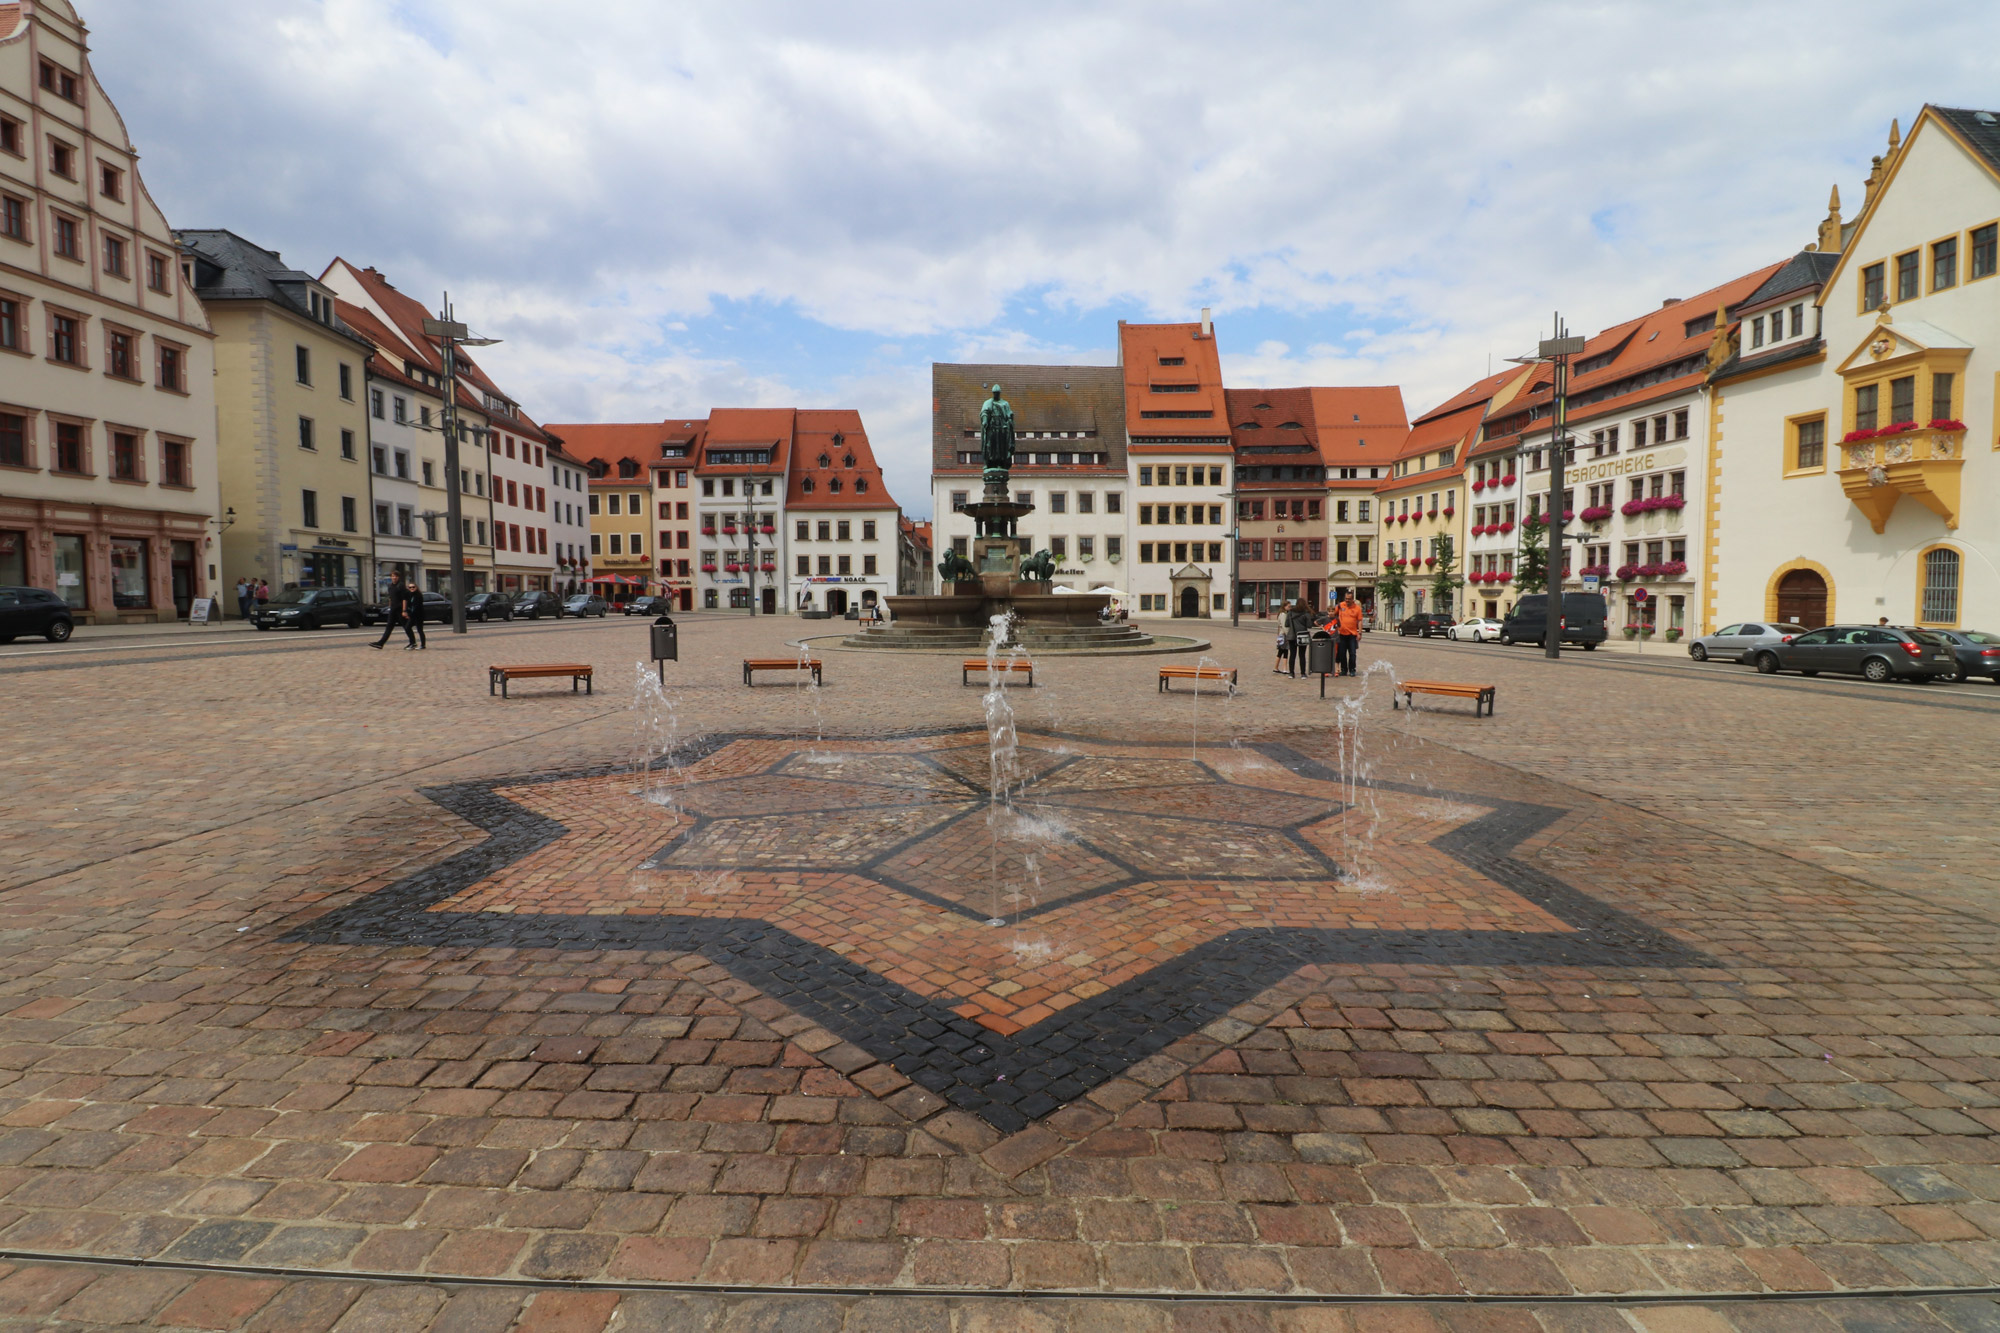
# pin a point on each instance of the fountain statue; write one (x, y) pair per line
(1000, 576)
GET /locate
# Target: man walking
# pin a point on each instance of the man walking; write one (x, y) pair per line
(1347, 624)
(396, 607)
(413, 610)
(245, 600)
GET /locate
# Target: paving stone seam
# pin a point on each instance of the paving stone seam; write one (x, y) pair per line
(381, 1277)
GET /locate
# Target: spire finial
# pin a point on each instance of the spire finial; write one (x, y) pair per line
(1895, 135)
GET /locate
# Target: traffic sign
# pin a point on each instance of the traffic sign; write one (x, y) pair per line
(1590, 583)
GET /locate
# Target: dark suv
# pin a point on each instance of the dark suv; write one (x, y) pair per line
(1430, 624)
(1878, 652)
(310, 608)
(34, 611)
(534, 605)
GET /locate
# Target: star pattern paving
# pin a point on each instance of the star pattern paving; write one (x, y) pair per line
(1008, 953)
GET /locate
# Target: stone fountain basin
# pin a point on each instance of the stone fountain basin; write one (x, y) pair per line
(973, 606)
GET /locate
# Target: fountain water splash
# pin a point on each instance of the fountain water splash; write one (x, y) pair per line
(659, 738)
(1003, 741)
(810, 684)
(1361, 816)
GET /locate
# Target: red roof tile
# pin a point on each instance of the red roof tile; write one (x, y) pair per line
(1140, 349)
(824, 443)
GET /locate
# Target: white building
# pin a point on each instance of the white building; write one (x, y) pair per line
(842, 521)
(569, 520)
(745, 456)
(517, 457)
(1857, 475)
(108, 470)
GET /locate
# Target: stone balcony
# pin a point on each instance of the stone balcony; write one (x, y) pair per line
(1921, 463)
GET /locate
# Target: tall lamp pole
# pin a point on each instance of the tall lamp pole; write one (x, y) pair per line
(452, 335)
(1556, 351)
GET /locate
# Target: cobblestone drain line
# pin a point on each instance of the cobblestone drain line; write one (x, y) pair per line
(1009, 1082)
(1888, 694)
(1012, 1294)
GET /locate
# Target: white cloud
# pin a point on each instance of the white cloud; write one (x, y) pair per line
(591, 181)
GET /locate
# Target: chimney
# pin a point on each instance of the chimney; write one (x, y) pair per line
(1207, 328)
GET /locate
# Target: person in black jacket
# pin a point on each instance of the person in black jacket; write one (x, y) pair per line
(397, 605)
(1298, 629)
(413, 611)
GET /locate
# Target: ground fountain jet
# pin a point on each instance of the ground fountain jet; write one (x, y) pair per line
(1001, 576)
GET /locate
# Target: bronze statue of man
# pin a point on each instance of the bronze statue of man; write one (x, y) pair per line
(996, 435)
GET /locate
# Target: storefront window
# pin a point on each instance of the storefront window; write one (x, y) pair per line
(130, 587)
(323, 569)
(14, 559)
(69, 569)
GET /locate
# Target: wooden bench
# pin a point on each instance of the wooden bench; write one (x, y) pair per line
(500, 675)
(1007, 664)
(1197, 674)
(1481, 695)
(751, 664)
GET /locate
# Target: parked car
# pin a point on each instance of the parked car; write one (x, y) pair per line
(1476, 630)
(437, 608)
(1739, 643)
(1430, 624)
(1978, 652)
(583, 604)
(1585, 618)
(485, 606)
(649, 606)
(535, 605)
(34, 611)
(1877, 652)
(310, 608)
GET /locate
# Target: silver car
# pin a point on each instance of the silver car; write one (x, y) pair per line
(1739, 643)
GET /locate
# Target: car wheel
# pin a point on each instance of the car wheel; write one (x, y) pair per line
(1590, 647)
(261, 627)
(1698, 653)
(1767, 664)
(57, 632)
(354, 622)
(1875, 669)
(309, 623)
(1506, 639)
(1959, 675)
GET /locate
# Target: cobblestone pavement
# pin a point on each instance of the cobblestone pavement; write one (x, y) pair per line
(1661, 981)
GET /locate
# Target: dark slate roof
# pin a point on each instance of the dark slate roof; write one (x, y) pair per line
(229, 268)
(1981, 129)
(1807, 268)
(1738, 364)
(1043, 397)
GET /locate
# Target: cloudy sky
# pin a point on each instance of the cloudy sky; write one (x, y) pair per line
(665, 208)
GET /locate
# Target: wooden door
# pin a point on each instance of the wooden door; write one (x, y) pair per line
(1802, 599)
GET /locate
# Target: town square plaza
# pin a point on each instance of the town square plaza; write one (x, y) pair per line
(338, 993)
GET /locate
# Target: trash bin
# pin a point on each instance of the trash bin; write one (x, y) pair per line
(1320, 651)
(666, 643)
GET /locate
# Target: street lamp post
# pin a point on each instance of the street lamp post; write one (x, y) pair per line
(451, 336)
(1556, 351)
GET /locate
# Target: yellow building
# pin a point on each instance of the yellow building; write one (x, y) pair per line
(291, 419)
(1422, 502)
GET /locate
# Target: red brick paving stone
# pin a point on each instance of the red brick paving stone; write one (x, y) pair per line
(568, 1312)
(482, 1310)
(39, 1290)
(220, 1301)
(124, 1296)
(392, 1309)
(306, 1307)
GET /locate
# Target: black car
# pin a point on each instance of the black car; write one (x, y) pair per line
(1430, 624)
(535, 605)
(649, 606)
(310, 608)
(1977, 652)
(34, 611)
(484, 606)
(1877, 652)
(1585, 616)
(583, 604)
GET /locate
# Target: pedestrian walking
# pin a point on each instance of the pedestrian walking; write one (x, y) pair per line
(246, 601)
(1298, 625)
(413, 610)
(396, 606)
(1347, 624)
(1284, 640)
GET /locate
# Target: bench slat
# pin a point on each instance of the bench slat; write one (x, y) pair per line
(751, 664)
(576, 671)
(1198, 674)
(1482, 696)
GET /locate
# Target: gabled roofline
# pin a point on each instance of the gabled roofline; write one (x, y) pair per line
(1927, 116)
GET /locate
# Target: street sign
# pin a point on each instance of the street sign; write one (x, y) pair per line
(444, 328)
(1560, 346)
(1590, 583)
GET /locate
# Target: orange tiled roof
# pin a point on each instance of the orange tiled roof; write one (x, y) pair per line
(1372, 440)
(825, 440)
(609, 442)
(748, 427)
(1140, 349)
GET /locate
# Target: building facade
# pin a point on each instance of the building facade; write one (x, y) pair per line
(743, 463)
(842, 521)
(108, 472)
(1857, 466)
(569, 519)
(1179, 459)
(1419, 497)
(292, 428)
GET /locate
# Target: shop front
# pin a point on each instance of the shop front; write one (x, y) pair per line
(1269, 598)
(108, 564)
(327, 563)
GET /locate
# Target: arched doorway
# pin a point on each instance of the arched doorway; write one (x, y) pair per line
(1190, 603)
(1802, 599)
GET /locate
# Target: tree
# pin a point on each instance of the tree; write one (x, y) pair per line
(1444, 580)
(1531, 571)
(1389, 587)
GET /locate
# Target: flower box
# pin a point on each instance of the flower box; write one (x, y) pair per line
(1626, 573)
(1507, 480)
(1947, 423)
(1507, 526)
(1432, 514)
(708, 569)
(1673, 633)
(1595, 514)
(768, 530)
(1478, 486)
(1449, 512)
(1502, 577)
(1430, 560)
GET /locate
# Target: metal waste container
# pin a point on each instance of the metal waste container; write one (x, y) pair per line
(1320, 653)
(666, 644)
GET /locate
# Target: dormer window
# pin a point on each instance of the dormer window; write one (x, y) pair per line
(833, 486)
(848, 461)
(861, 485)
(1173, 360)
(807, 485)
(825, 461)
(110, 181)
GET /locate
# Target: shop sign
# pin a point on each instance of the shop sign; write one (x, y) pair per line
(840, 578)
(289, 548)
(1584, 473)
(198, 610)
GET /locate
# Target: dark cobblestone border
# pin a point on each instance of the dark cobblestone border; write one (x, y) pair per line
(1007, 1081)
